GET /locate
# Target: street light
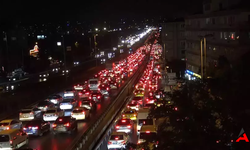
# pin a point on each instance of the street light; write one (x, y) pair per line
(96, 29)
(104, 29)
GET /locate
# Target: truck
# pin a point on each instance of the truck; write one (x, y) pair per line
(141, 116)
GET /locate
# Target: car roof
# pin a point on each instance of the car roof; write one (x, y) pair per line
(7, 120)
(8, 131)
(117, 133)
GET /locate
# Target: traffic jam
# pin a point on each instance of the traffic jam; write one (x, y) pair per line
(61, 113)
(135, 117)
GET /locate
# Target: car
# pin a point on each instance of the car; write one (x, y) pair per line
(79, 87)
(45, 105)
(138, 100)
(36, 127)
(113, 85)
(69, 93)
(7, 136)
(139, 93)
(52, 114)
(151, 99)
(29, 114)
(88, 104)
(56, 99)
(80, 113)
(133, 105)
(65, 124)
(96, 96)
(104, 89)
(118, 140)
(84, 93)
(10, 124)
(68, 104)
(124, 125)
(129, 114)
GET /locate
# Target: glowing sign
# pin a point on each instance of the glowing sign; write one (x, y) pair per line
(192, 73)
(34, 52)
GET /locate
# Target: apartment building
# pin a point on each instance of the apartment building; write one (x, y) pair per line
(226, 30)
(173, 38)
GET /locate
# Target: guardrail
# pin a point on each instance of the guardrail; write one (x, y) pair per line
(92, 135)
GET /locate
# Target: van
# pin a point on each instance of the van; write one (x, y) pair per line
(141, 116)
(93, 84)
(13, 139)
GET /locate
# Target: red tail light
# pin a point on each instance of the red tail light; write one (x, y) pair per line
(129, 126)
(137, 105)
(54, 125)
(107, 88)
(83, 112)
(66, 124)
(87, 93)
(147, 99)
(79, 93)
(123, 115)
(147, 131)
(117, 127)
(128, 106)
(109, 143)
(20, 113)
(31, 113)
(98, 97)
(90, 97)
(36, 127)
(11, 142)
(7, 128)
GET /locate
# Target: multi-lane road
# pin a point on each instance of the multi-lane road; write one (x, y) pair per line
(62, 141)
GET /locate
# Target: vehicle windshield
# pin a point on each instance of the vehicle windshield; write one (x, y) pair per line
(85, 102)
(34, 123)
(43, 103)
(4, 124)
(145, 122)
(4, 138)
(123, 122)
(25, 111)
(148, 136)
(137, 98)
(77, 111)
(62, 120)
(93, 82)
(116, 137)
(129, 112)
(50, 111)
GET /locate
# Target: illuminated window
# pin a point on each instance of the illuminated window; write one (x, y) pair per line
(232, 35)
(225, 35)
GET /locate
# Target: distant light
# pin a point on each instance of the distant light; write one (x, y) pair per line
(120, 29)
(96, 29)
(123, 41)
(59, 43)
(82, 33)
(104, 29)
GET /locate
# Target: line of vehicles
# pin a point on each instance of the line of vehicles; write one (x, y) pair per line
(61, 112)
(135, 117)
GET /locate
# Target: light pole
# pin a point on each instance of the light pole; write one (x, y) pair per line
(7, 49)
(95, 50)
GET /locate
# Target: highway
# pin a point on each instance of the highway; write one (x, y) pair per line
(62, 141)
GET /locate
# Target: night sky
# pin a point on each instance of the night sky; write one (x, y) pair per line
(95, 9)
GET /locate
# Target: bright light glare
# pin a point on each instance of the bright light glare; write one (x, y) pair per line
(59, 43)
(96, 29)
(104, 28)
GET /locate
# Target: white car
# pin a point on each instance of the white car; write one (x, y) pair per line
(68, 104)
(80, 113)
(52, 114)
(69, 93)
(10, 124)
(29, 114)
(118, 140)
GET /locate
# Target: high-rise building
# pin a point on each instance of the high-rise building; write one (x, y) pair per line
(173, 39)
(222, 30)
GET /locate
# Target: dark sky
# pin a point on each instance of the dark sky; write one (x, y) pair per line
(94, 9)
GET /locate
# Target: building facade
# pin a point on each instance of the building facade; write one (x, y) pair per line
(228, 30)
(173, 39)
